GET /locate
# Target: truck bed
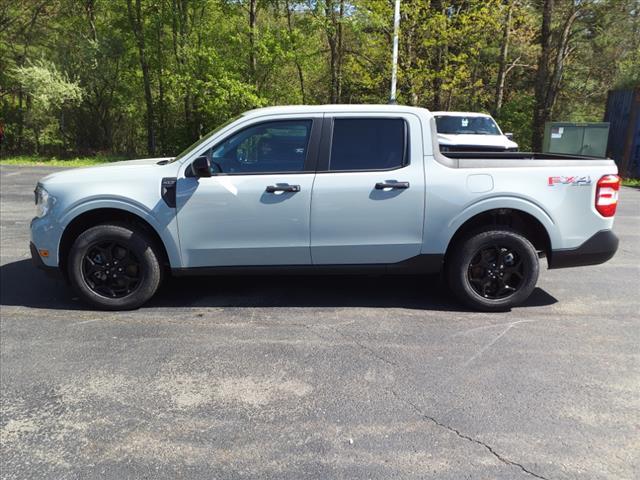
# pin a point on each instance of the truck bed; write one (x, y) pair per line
(517, 156)
(516, 159)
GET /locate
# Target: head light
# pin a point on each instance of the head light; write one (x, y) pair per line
(43, 201)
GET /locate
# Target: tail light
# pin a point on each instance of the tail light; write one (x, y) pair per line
(607, 195)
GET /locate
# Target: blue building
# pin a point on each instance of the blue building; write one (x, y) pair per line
(623, 115)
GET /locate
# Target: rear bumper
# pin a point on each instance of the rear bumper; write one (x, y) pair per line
(597, 249)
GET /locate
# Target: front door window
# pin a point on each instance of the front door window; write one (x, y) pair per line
(271, 147)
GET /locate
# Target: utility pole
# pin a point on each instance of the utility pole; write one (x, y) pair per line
(394, 59)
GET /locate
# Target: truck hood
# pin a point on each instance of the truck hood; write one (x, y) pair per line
(140, 161)
(499, 141)
(123, 169)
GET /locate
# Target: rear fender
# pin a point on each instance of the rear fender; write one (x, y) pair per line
(495, 203)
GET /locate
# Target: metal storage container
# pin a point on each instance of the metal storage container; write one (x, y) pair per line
(623, 113)
(589, 139)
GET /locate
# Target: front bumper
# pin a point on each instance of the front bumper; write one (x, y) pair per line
(45, 234)
(37, 262)
(597, 249)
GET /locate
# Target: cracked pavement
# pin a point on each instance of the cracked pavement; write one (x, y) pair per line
(318, 377)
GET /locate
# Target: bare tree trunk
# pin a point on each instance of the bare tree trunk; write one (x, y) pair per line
(90, 7)
(296, 59)
(135, 18)
(196, 24)
(541, 113)
(333, 49)
(179, 27)
(562, 52)
(504, 53)
(20, 134)
(253, 17)
(340, 51)
(635, 38)
(437, 64)
(161, 101)
(548, 81)
(20, 60)
(35, 129)
(106, 117)
(449, 100)
(101, 105)
(407, 62)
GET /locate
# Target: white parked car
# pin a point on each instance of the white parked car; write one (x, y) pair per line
(471, 132)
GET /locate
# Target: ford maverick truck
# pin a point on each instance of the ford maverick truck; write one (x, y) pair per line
(326, 189)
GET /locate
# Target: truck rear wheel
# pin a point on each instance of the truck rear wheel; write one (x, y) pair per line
(114, 267)
(493, 270)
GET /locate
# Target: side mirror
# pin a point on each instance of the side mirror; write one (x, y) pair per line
(509, 135)
(201, 167)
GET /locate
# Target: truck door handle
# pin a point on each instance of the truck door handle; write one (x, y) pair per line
(396, 185)
(282, 188)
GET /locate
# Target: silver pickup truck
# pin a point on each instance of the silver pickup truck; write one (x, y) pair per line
(325, 189)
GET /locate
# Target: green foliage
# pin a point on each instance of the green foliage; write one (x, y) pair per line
(72, 80)
(48, 89)
(606, 57)
(34, 160)
(515, 117)
(631, 182)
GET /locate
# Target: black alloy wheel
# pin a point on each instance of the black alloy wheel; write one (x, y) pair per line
(111, 269)
(496, 272)
(493, 269)
(115, 266)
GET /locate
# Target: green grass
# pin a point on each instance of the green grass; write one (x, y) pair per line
(631, 182)
(55, 162)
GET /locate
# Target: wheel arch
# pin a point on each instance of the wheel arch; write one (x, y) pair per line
(507, 218)
(97, 216)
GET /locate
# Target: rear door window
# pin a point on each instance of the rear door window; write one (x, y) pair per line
(368, 144)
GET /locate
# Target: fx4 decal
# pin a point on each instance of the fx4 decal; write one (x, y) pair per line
(575, 180)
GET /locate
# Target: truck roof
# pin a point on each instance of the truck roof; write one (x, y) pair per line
(460, 114)
(347, 108)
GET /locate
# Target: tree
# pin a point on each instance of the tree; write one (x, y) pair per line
(253, 18)
(47, 91)
(504, 55)
(137, 27)
(555, 49)
(292, 38)
(606, 56)
(333, 11)
(157, 74)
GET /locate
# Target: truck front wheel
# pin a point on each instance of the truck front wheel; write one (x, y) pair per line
(114, 267)
(493, 270)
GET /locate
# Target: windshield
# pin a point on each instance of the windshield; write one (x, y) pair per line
(202, 140)
(459, 125)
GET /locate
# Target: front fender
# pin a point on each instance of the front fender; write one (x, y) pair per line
(160, 218)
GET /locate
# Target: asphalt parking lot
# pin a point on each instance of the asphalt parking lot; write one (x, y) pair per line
(323, 377)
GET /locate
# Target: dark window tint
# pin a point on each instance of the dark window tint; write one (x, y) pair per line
(268, 147)
(367, 144)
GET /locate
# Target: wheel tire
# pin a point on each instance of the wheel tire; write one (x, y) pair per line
(475, 248)
(146, 267)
